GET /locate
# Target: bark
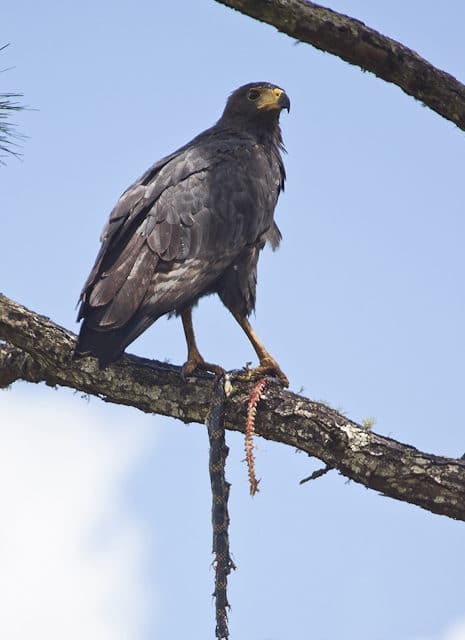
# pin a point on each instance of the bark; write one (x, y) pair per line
(37, 350)
(357, 44)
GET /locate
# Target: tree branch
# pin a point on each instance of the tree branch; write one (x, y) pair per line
(41, 351)
(357, 44)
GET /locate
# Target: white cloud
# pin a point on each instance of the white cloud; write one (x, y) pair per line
(71, 555)
(456, 631)
(453, 631)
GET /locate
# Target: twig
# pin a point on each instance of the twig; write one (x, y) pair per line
(317, 474)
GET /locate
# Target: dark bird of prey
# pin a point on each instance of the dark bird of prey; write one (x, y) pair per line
(192, 225)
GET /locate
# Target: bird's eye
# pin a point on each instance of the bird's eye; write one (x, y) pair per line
(253, 94)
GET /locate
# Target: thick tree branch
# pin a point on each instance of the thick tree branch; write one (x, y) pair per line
(40, 351)
(356, 43)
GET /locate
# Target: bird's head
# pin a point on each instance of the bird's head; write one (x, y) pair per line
(256, 101)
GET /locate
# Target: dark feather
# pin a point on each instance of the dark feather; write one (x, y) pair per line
(193, 224)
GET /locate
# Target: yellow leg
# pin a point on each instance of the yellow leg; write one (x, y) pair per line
(267, 363)
(194, 359)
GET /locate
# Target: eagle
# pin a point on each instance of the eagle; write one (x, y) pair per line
(194, 224)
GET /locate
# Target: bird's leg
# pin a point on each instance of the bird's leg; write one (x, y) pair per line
(194, 359)
(267, 363)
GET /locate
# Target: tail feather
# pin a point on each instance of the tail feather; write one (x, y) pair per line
(107, 346)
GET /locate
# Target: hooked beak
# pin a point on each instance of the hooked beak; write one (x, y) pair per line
(284, 102)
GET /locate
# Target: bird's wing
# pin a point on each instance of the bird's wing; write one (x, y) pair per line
(130, 209)
(174, 231)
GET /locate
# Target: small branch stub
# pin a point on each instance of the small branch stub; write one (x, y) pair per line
(316, 474)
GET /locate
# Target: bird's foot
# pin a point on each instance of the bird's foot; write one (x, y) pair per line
(268, 366)
(199, 364)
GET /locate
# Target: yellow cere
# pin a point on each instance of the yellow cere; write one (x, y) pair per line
(269, 98)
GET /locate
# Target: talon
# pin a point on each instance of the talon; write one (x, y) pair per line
(268, 366)
(189, 367)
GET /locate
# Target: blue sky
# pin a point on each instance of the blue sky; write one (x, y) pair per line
(363, 306)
